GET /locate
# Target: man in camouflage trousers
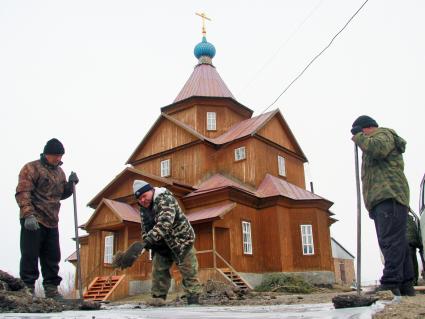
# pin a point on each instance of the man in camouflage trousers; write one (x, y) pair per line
(169, 235)
(42, 185)
(386, 197)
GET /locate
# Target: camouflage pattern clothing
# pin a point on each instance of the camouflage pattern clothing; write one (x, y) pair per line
(413, 234)
(161, 277)
(169, 225)
(382, 167)
(414, 240)
(40, 188)
(171, 237)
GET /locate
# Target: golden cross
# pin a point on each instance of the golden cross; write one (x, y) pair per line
(204, 17)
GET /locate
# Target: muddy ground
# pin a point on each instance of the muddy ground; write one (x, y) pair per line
(15, 298)
(222, 295)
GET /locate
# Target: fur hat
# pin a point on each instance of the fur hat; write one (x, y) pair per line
(140, 187)
(365, 121)
(54, 147)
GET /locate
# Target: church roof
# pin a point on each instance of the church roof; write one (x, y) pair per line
(271, 186)
(204, 81)
(244, 128)
(210, 213)
(216, 182)
(275, 186)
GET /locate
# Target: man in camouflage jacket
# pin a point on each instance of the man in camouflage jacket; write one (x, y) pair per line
(169, 235)
(42, 185)
(386, 197)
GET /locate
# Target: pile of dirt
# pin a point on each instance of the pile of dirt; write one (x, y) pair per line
(15, 297)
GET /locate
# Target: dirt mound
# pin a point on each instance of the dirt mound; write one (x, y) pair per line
(15, 297)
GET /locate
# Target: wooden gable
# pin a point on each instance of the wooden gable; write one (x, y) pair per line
(277, 131)
(121, 187)
(166, 134)
(103, 218)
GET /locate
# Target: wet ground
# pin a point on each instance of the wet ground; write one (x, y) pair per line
(320, 311)
(218, 301)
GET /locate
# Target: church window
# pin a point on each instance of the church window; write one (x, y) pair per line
(307, 239)
(211, 121)
(281, 165)
(109, 249)
(165, 168)
(240, 153)
(247, 240)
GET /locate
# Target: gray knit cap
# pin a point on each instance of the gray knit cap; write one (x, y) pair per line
(140, 187)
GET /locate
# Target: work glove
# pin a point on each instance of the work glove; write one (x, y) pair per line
(31, 223)
(356, 129)
(126, 259)
(73, 178)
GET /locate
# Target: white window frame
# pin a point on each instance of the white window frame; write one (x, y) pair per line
(281, 165)
(307, 239)
(166, 168)
(247, 238)
(211, 121)
(240, 153)
(108, 252)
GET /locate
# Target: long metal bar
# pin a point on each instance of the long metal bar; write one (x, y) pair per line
(213, 244)
(359, 222)
(77, 244)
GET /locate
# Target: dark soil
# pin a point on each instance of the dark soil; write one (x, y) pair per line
(15, 297)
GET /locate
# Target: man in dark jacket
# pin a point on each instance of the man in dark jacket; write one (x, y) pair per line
(386, 197)
(168, 233)
(42, 185)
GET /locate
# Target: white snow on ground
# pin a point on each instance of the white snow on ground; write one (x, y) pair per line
(316, 311)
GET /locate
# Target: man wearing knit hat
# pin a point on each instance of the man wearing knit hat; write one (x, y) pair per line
(42, 185)
(386, 197)
(169, 235)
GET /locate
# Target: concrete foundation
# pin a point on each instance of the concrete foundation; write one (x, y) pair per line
(136, 287)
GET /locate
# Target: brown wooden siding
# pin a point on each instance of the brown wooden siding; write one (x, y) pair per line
(271, 240)
(233, 221)
(321, 260)
(268, 164)
(104, 218)
(257, 164)
(196, 117)
(166, 136)
(275, 132)
(204, 242)
(187, 116)
(188, 165)
(225, 119)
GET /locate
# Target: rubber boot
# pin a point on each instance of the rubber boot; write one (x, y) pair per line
(53, 293)
(31, 289)
(193, 299)
(385, 287)
(407, 290)
(157, 301)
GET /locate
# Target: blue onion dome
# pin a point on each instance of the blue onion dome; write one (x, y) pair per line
(204, 51)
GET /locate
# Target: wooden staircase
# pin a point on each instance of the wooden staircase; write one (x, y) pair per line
(102, 287)
(235, 279)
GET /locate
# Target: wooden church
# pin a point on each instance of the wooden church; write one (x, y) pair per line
(240, 180)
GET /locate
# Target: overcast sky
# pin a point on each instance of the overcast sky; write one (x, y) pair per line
(95, 74)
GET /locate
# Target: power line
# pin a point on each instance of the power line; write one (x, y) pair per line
(294, 32)
(316, 57)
